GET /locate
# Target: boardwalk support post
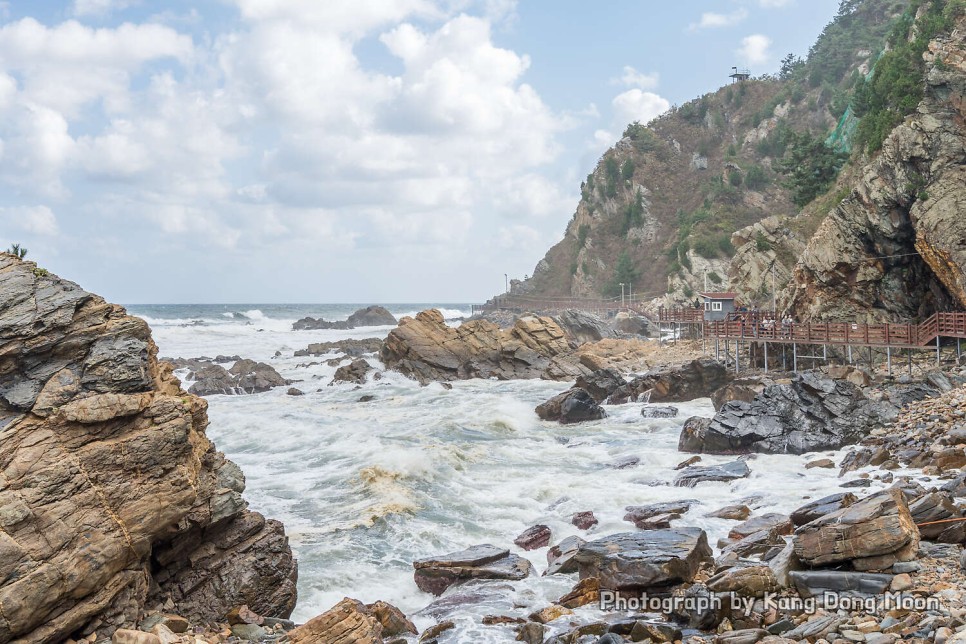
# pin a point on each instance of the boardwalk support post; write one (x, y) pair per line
(737, 357)
(766, 357)
(889, 360)
(794, 357)
(937, 349)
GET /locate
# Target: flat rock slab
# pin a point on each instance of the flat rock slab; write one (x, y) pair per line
(561, 556)
(875, 527)
(642, 560)
(778, 523)
(659, 411)
(641, 514)
(435, 575)
(691, 476)
(812, 583)
(820, 507)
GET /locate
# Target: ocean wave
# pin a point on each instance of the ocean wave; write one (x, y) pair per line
(448, 314)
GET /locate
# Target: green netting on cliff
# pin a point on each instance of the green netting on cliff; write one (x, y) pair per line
(840, 139)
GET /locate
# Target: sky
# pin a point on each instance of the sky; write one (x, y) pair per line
(337, 150)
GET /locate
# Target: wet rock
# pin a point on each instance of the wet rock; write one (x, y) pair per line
(811, 413)
(691, 476)
(351, 347)
(352, 373)
(582, 327)
(561, 556)
(857, 483)
(601, 383)
(938, 506)
(436, 574)
(874, 528)
(654, 631)
(537, 536)
(431, 633)
(366, 398)
(212, 379)
(550, 613)
(631, 324)
(394, 621)
(659, 411)
(697, 379)
(687, 462)
(293, 391)
(642, 560)
(642, 515)
(572, 406)
(369, 316)
(814, 583)
(815, 628)
(820, 507)
(626, 462)
(586, 592)
(700, 608)
(783, 564)
(348, 621)
(823, 463)
(779, 524)
(742, 636)
(531, 633)
(255, 377)
(584, 520)
(732, 512)
(744, 389)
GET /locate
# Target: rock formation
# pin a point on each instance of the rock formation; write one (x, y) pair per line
(369, 316)
(891, 249)
(697, 379)
(112, 497)
(244, 377)
(426, 348)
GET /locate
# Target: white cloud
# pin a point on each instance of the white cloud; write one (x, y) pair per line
(100, 7)
(34, 220)
(633, 78)
(711, 20)
(636, 105)
(775, 4)
(755, 49)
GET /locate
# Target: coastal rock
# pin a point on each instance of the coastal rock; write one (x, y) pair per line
(939, 506)
(537, 536)
(352, 373)
(696, 379)
(436, 574)
(811, 413)
(601, 383)
(642, 515)
(111, 490)
(731, 512)
(691, 476)
(584, 520)
(744, 389)
(349, 622)
(815, 583)
(560, 558)
(369, 316)
(750, 581)
(871, 532)
(820, 507)
(659, 411)
(637, 561)
(426, 349)
(255, 377)
(212, 379)
(632, 324)
(773, 522)
(352, 347)
(572, 406)
(583, 327)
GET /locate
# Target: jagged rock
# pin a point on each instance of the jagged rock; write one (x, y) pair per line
(811, 413)
(601, 383)
(696, 379)
(774, 522)
(820, 507)
(636, 561)
(348, 622)
(744, 389)
(436, 574)
(700, 608)
(123, 492)
(659, 411)
(868, 533)
(560, 558)
(815, 583)
(537, 536)
(741, 636)
(352, 347)
(255, 377)
(352, 373)
(587, 591)
(938, 506)
(369, 316)
(572, 406)
(212, 379)
(691, 476)
(426, 349)
(394, 621)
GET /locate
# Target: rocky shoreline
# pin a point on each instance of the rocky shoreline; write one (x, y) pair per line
(185, 561)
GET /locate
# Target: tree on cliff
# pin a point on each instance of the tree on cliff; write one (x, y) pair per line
(624, 273)
(17, 251)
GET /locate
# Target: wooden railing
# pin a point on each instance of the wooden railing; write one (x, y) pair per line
(683, 315)
(745, 327)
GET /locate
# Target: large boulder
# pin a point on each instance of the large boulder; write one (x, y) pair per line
(349, 622)
(582, 327)
(638, 561)
(601, 383)
(632, 324)
(353, 373)
(426, 348)
(696, 379)
(691, 476)
(811, 413)
(371, 316)
(872, 534)
(572, 406)
(113, 497)
(244, 377)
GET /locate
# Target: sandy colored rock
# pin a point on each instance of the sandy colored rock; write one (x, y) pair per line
(348, 622)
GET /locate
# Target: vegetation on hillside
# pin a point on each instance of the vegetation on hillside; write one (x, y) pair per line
(17, 251)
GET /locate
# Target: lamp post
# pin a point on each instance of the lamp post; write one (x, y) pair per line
(774, 293)
(506, 279)
(622, 294)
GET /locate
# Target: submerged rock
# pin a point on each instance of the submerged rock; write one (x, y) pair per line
(691, 476)
(125, 503)
(436, 574)
(659, 411)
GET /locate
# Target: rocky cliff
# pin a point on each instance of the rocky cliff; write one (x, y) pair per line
(112, 499)
(895, 247)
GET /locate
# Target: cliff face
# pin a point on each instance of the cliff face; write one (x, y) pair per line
(112, 499)
(895, 248)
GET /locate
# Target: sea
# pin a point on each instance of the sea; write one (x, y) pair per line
(366, 488)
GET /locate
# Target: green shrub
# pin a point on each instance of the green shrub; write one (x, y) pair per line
(810, 165)
(627, 170)
(714, 278)
(755, 178)
(706, 247)
(582, 231)
(734, 177)
(761, 243)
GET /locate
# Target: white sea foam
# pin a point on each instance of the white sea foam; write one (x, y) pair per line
(366, 488)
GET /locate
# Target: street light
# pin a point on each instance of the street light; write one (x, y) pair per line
(506, 279)
(622, 294)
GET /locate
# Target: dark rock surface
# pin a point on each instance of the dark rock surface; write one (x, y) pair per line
(811, 413)
(572, 406)
(369, 316)
(534, 537)
(636, 561)
(436, 574)
(352, 373)
(696, 379)
(659, 411)
(352, 347)
(641, 515)
(820, 507)
(601, 383)
(691, 476)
